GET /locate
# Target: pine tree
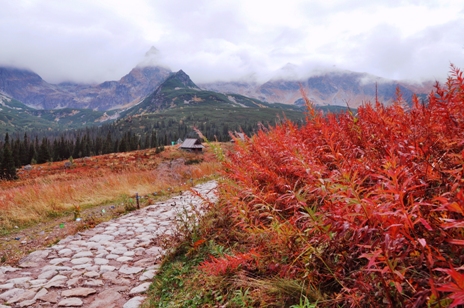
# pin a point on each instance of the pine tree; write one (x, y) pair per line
(44, 154)
(7, 166)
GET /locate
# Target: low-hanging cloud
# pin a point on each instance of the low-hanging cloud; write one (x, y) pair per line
(89, 41)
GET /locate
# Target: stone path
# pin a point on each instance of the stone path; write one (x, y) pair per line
(111, 265)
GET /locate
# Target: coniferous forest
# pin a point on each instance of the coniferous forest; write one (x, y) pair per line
(125, 135)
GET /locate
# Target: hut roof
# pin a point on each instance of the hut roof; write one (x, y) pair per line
(191, 144)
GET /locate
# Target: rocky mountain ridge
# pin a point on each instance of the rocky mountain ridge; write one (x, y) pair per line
(29, 88)
(337, 88)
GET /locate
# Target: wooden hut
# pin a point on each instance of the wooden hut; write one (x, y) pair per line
(192, 145)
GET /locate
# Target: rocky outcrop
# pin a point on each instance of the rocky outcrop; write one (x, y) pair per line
(32, 90)
(328, 88)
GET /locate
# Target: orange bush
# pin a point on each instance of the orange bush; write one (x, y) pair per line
(368, 207)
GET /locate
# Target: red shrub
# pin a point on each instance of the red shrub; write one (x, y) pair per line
(372, 202)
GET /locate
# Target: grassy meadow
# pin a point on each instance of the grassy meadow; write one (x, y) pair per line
(51, 190)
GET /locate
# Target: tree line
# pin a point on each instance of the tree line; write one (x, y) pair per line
(20, 150)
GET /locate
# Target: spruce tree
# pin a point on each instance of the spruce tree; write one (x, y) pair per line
(8, 168)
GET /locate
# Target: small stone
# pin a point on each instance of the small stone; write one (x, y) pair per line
(73, 282)
(130, 270)
(119, 250)
(147, 275)
(7, 286)
(83, 254)
(124, 259)
(70, 302)
(86, 266)
(28, 264)
(94, 283)
(145, 262)
(121, 281)
(80, 261)
(50, 297)
(57, 281)
(11, 293)
(144, 244)
(76, 274)
(134, 302)
(58, 260)
(35, 256)
(19, 281)
(79, 292)
(47, 274)
(141, 288)
(27, 303)
(155, 251)
(91, 274)
(55, 268)
(6, 269)
(112, 257)
(101, 261)
(107, 268)
(107, 298)
(129, 254)
(41, 293)
(26, 295)
(109, 275)
(65, 252)
(38, 282)
(139, 251)
(101, 238)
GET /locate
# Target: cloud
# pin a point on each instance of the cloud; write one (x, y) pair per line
(90, 41)
(423, 56)
(67, 42)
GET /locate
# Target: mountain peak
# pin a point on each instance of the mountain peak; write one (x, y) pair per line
(153, 51)
(179, 80)
(152, 58)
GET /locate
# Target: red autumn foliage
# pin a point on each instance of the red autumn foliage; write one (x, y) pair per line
(228, 263)
(367, 206)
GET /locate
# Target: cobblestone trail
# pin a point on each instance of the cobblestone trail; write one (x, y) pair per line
(111, 265)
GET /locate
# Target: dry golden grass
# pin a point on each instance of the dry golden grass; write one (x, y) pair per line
(56, 191)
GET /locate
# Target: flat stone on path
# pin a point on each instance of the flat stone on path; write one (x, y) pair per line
(79, 292)
(47, 274)
(11, 293)
(130, 270)
(71, 302)
(124, 259)
(94, 283)
(108, 299)
(83, 254)
(101, 238)
(148, 275)
(101, 261)
(134, 302)
(107, 268)
(7, 286)
(51, 297)
(80, 261)
(26, 295)
(65, 252)
(58, 260)
(91, 274)
(141, 288)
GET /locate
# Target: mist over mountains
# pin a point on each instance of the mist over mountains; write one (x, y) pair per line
(325, 88)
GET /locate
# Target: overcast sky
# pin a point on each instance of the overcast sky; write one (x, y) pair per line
(94, 41)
